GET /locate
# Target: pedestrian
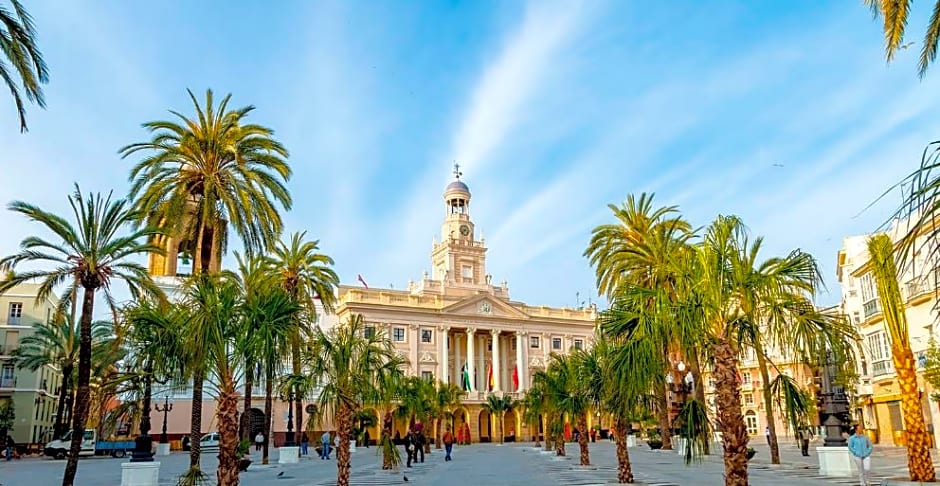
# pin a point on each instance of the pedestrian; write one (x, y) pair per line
(304, 443)
(259, 441)
(860, 447)
(365, 438)
(593, 435)
(325, 445)
(9, 443)
(767, 434)
(410, 448)
(804, 441)
(576, 435)
(419, 444)
(448, 440)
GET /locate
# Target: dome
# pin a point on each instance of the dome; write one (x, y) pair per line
(457, 186)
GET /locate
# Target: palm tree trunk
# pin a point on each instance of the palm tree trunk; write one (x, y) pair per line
(227, 415)
(535, 427)
(624, 469)
(57, 428)
(699, 392)
(919, 464)
(665, 430)
(583, 440)
(387, 423)
(197, 258)
(768, 405)
(246, 405)
(548, 431)
(344, 418)
(84, 390)
(560, 437)
(502, 418)
(730, 418)
(195, 423)
(268, 392)
(437, 432)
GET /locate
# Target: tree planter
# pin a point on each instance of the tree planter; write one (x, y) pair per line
(243, 464)
(655, 444)
(751, 453)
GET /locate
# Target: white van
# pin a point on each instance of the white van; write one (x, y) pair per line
(59, 449)
(209, 442)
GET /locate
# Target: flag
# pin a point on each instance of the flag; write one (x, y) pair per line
(465, 377)
(515, 377)
(492, 382)
(360, 279)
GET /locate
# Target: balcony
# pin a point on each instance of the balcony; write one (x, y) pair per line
(872, 308)
(881, 368)
(915, 288)
(8, 382)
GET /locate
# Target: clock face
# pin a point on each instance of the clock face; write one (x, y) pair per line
(464, 230)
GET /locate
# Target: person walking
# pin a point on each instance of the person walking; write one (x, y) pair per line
(365, 438)
(325, 445)
(804, 441)
(8, 444)
(410, 444)
(861, 448)
(448, 440)
(304, 443)
(767, 435)
(259, 441)
(419, 444)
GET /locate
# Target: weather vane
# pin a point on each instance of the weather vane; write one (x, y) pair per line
(457, 172)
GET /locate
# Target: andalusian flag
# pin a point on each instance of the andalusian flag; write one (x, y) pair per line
(465, 377)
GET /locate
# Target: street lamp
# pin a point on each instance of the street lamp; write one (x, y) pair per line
(167, 406)
(289, 442)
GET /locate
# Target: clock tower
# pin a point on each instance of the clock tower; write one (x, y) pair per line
(458, 259)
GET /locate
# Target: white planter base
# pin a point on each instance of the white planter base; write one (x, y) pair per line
(163, 449)
(631, 440)
(682, 444)
(140, 473)
(352, 446)
(834, 461)
(288, 455)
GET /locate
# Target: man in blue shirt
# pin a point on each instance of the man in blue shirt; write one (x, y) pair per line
(860, 447)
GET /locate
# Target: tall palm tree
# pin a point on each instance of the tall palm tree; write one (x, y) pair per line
(306, 276)
(533, 404)
(895, 13)
(884, 270)
(384, 396)
(202, 174)
(56, 343)
(639, 250)
(350, 365)
(93, 252)
(557, 385)
(497, 406)
(19, 47)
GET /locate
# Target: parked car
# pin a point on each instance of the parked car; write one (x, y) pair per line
(91, 446)
(209, 442)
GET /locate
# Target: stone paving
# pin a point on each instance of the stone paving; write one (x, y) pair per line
(483, 464)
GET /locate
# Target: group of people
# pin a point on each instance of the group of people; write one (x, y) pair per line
(415, 441)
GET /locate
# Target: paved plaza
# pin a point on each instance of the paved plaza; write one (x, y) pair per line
(483, 464)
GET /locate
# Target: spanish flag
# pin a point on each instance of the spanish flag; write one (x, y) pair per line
(515, 377)
(491, 380)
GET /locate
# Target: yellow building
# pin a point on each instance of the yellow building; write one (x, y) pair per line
(33, 393)
(879, 406)
(458, 321)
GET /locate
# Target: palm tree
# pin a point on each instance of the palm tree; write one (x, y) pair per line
(385, 396)
(497, 406)
(56, 344)
(884, 270)
(446, 397)
(639, 250)
(19, 47)
(92, 253)
(533, 404)
(351, 365)
(306, 276)
(201, 175)
(895, 13)
(556, 383)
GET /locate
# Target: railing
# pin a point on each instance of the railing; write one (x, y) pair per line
(883, 367)
(915, 288)
(872, 307)
(8, 382)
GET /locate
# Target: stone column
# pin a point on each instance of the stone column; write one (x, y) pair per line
(444, 357)
(471, 372)
(520, 364)
(496, 356)
(458, 362)
(413, 344)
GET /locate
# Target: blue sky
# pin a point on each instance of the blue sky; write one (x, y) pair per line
(554, 109)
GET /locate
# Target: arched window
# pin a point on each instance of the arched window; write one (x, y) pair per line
(750, 420)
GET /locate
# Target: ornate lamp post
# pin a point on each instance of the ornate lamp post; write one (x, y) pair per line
(834, 405)
(289, 442)
(143, 443)
(167, 406)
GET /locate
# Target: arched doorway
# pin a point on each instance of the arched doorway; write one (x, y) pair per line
(484, 424)
(510, 422)
(255, 422)
(459, 422)
(750, 421)
(369, 421)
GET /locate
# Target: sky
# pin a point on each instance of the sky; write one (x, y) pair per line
(784, 113)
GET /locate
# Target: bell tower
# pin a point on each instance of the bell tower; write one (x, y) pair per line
(458, 259)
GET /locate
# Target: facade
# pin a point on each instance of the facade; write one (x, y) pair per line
(456, 325)
(33, 393)
(879, 406)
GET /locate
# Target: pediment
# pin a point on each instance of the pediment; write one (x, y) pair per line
(484, 306)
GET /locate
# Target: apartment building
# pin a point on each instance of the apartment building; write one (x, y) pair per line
(33, 393)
